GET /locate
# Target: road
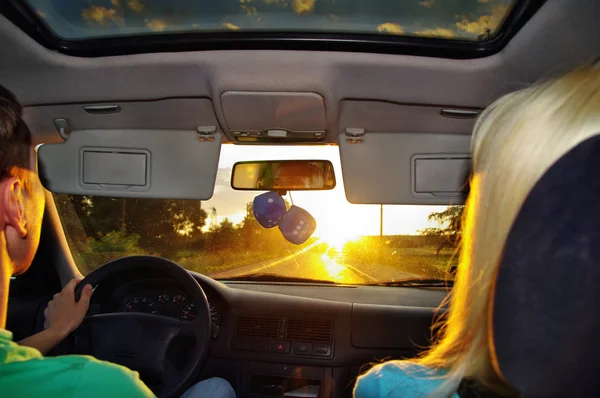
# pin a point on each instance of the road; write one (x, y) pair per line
(330, 266)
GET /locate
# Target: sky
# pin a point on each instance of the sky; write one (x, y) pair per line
(337, 219)
(439, 18)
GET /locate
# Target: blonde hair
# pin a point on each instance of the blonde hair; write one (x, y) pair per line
(515, 141)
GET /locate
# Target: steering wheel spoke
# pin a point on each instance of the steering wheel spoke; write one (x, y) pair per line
(194, 328)
(80, 339)
(138, 341)
(169, 376)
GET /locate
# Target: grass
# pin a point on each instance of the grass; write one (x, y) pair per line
(421, 261)
(223, 261)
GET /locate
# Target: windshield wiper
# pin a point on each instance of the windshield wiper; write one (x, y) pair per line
(265, 277)
(417, 282)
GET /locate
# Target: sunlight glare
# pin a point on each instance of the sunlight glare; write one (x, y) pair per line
(331, 266)
(337, 229)
(339, 239)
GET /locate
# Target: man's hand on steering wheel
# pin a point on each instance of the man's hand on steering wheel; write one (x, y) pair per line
(63, 315)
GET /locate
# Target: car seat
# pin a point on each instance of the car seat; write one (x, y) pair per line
(546, 301)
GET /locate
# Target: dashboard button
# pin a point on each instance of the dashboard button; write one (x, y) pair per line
(302, 348)
(251, 345)
(322, 350)
(281, 347)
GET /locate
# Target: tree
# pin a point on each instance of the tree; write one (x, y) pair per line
(163, 225)
(450, 227)
(250, 231)
(224, 237)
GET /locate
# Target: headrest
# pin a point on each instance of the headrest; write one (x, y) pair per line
(546, 314)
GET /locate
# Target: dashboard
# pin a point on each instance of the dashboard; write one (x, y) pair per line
(149, 295)
(171, 303)
(263, 333)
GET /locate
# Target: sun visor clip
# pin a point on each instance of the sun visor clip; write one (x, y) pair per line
(207, 133)
(62, 125)
(355, 135)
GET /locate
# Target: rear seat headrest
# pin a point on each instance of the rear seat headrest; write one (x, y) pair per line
(546, 304)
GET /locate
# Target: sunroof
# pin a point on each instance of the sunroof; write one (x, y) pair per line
(475, 20)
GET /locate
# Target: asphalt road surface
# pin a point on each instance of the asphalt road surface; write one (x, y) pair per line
(330, 266)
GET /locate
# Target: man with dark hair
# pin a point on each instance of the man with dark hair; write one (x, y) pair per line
(15, 138)
(24, 372)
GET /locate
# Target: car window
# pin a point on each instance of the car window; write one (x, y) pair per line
(458, 19)
(352, 244)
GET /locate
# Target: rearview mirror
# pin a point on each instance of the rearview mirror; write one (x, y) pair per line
(283, 175)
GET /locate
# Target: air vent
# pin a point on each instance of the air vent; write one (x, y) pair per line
(251, 326)
(313, 330)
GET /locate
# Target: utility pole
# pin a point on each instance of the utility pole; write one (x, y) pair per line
(381, 222)
(213, 219)
(123, 215)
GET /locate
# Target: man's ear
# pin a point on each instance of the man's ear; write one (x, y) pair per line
(13, 206)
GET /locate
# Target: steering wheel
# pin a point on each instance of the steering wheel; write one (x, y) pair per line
(150, 344)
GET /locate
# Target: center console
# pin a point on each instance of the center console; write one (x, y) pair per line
(267, 380)
(287, 338)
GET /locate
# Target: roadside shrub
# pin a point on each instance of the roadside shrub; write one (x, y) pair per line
(111, 246)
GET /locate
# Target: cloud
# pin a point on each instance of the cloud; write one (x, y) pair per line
(230, 26)
(116, 3)
(389, 27)
(427, 3)
(135, 5)
(483, 23)
(228, 203)
(437, 32)
(248, 8)
(303, 6)
(101, 16)
(157, 25)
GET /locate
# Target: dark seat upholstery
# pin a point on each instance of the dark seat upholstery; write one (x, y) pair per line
(546, 314)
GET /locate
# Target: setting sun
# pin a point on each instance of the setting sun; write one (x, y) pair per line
(337, 230)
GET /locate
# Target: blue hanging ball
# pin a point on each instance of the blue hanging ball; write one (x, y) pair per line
(297, 225)
(268, 208)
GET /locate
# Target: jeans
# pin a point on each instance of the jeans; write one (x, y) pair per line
(212, 388)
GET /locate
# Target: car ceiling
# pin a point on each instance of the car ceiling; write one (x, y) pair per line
(560, 36)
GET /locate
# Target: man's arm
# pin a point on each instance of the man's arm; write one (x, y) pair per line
(43, 341)
(63, 315)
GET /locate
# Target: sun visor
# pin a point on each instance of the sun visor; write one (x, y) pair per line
(46, 121)
(414, 118)
(404, 168)
(175, 164)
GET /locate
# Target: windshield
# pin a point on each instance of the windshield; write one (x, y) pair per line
(459, 19)
(352, 244)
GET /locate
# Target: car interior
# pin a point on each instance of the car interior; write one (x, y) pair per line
(151, 110)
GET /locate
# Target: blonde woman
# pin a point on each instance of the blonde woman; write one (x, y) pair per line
(515, 141)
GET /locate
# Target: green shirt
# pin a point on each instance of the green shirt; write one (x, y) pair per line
(25, 373)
